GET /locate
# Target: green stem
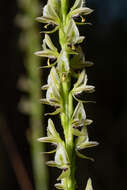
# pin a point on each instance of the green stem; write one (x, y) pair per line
(66, 121)
(67, 103)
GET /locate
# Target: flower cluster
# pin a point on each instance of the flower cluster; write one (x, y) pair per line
(60, 93)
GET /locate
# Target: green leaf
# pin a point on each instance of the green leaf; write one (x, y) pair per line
(89, 185)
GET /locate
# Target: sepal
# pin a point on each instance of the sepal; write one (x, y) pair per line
(53, 92)
(52, 135)
(73, 33)
(49, 50)
(61, 156)
(79, 115)
(81, 85)
(61, 160)
(88, 122)
(76, 132)
(63, 63)
(65, 173)
(78, 61)
(51, 164)
(55, 4)
(52, 102)
(51, 131)
(88, 144)
(83, 101)
(48, 139)
(81, 79)
(53, 78)
(80, 39)
(50, 31)
(44, 19)
(46, 53)
(50, 12)
(82, 142)
(50, 152)
(44, 87)
(83, 156)
(60, 185)
(82, 10)
(78, 4)
(57, 111)
(49, 43)
(88, 64)
(89, 185)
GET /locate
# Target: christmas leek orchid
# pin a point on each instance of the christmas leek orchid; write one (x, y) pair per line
(69, 63)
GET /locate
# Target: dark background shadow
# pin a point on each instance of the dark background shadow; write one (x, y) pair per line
(106, 46)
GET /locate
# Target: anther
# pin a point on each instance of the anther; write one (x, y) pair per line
(46, 26)
(73, 47)
(48, 62)
(83, 19)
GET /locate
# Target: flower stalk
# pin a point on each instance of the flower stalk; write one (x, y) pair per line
(69, 65)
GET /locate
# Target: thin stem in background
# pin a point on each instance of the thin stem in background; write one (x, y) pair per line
(31, 40)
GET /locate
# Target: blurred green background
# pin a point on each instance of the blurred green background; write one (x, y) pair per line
(106, 46)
